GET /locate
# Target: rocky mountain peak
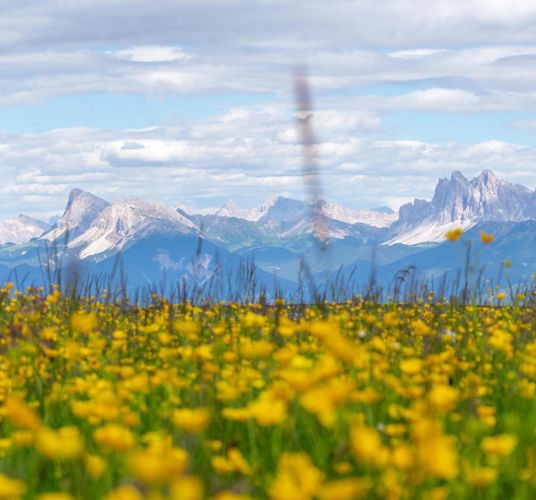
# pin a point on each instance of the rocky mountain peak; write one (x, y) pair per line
(81, 210)
(460, 202)
(458, 177)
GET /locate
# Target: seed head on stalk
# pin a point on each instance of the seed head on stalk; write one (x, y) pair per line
(310, 155)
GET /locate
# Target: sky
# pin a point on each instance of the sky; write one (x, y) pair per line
(191, 102)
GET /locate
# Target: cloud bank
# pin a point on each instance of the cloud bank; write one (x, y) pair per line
(376, 67)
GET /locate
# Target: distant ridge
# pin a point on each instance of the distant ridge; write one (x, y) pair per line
(163, 246)
(21, 229)
(94, 226)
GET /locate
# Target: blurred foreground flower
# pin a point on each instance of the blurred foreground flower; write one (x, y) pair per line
(454, 234)
(486, 238)
(193, 420)
(297, 478)
(64, 444)
(11, 488)
(501, 445)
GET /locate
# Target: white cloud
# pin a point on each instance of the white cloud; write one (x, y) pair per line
(459, 57)
(438, 99)
(241, 154)
(416, 53)
(152, 54)
(292, 25)
(73, 48)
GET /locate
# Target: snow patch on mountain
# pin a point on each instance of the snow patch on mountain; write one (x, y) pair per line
(429, 233)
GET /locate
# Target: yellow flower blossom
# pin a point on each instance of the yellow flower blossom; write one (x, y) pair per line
(114, 437)
(436, 452)
(157, 466)
(443, 397)
(233, 462)
(297, 478)
(420, 328)
(63, 444)
(20, 413)
(402, 457)
(343, 489)
(192, 419)
(411, 366)
(454, 234)
(230, 495)
(367, 446)
(486, 238)
(84, 322)
(501, 445)
(187, 488)
(481, 476)
(95, 466)
(11, 489)
(268, 410)
(124, 493)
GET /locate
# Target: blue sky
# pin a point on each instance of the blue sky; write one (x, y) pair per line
(117, 111)
(192, 103)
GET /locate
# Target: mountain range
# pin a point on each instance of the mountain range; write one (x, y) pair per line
(160, 244)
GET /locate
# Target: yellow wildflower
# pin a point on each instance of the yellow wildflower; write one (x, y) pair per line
(95, 466)
(233, 462)
(481, 476)
(187, 488)
(411, 366)
(156, 466)
(237, 414)
(54, 297)
(420, 327)
(11, 489)
(62, 444)
(114, 437)
(297, 478)
(486, 238)
(83, 322)
(501, 445)
(343, 489)
(436, 452)
(367, 446)
(124, 493)
(239, 462)
(193, 420)
(454, 234)
(230, 495)
(443, 398)
(49, 334)
(268, 410)
(402, 457)
(20, 413)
